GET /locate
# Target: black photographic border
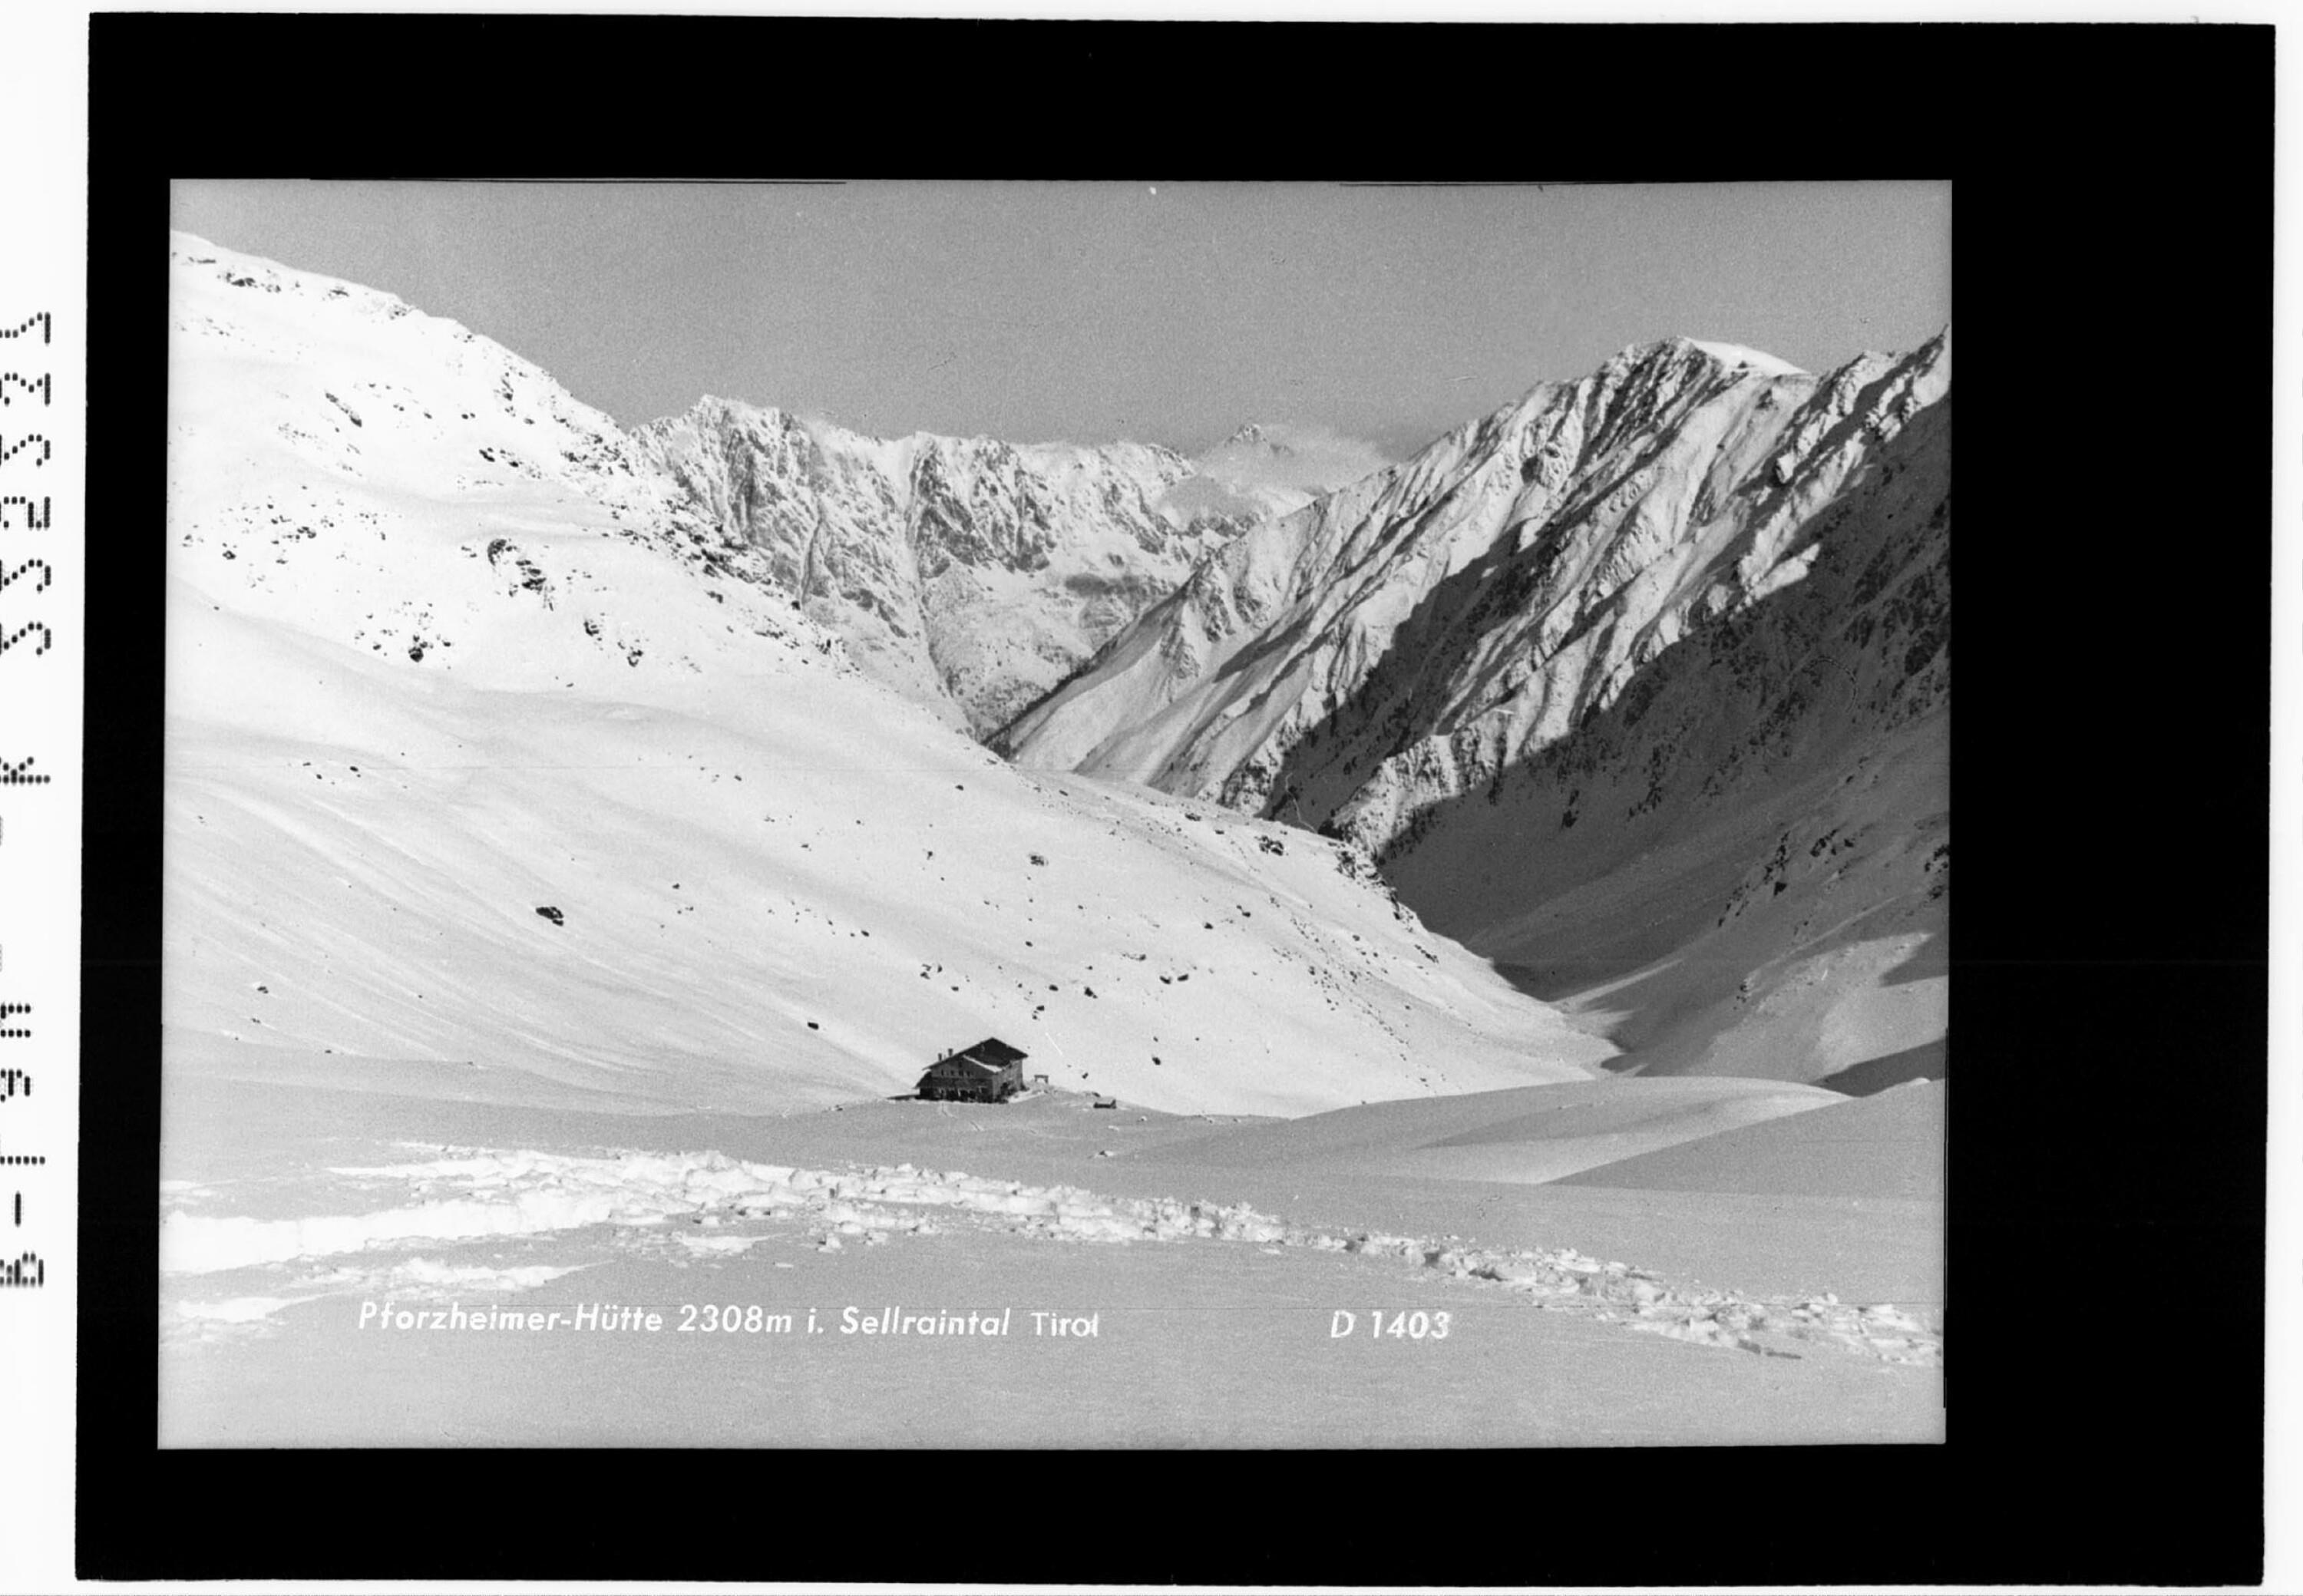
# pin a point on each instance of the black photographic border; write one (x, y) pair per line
(2113, 232)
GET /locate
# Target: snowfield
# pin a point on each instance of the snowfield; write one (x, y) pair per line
(478, 1192)
(1224, 1279)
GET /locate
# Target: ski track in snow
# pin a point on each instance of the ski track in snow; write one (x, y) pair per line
(474, 1194)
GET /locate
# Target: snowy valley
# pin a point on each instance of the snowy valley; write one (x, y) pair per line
(445, 653)
(577, 840)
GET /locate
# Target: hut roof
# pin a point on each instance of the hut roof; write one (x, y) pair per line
(975, 1064)
(995, 1051)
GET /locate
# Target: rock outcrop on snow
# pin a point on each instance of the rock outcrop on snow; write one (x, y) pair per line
(1695, 592)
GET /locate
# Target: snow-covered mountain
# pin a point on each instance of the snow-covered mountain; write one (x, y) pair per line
(1265, 470)
(968, 574)
(972, 575)
(1655, 612)
(498, 769)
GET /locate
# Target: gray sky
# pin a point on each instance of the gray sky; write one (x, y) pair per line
(1167, 313)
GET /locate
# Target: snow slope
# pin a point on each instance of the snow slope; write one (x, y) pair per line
(1887, 1146)
(1608, 671)
(445, 652)
(1742, 866)
(1407, 636)
(1529, 1135)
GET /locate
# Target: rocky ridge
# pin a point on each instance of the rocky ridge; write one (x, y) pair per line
(971, 574)
(1401, 640)
(1692, 592)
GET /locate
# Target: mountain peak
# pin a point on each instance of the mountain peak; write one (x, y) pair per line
(1731, 355)
(1738, 354)
(1607, 608)
(1256, 435)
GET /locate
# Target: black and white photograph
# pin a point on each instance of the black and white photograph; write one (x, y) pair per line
(1024, 813)
(1187, 777)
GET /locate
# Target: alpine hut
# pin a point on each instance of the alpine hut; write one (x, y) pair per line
(988, 1072)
